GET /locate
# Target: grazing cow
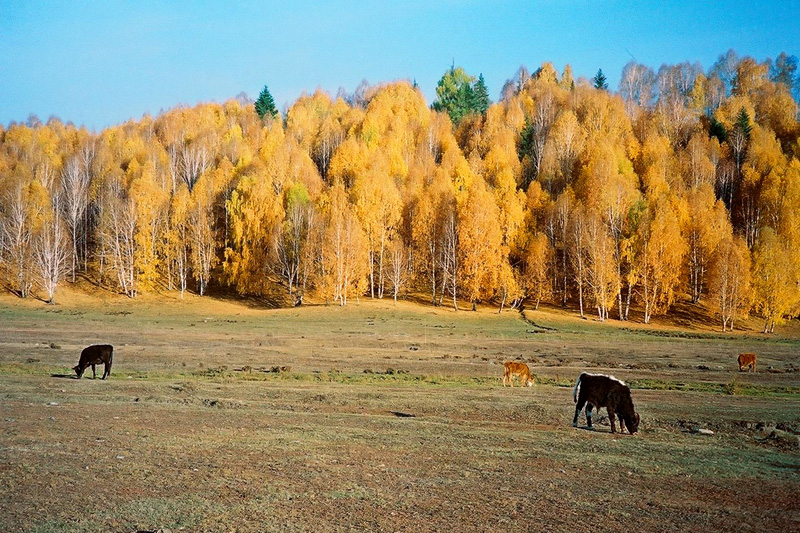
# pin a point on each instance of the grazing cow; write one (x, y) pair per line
(747, 360)
(517, 369)
(599, 390)
(94, 355)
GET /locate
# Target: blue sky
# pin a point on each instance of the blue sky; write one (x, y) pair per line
(101, 63)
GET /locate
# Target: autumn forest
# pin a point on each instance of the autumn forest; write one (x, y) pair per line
(684, 184)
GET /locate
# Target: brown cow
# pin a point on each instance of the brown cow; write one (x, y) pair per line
(605, 391)
(747, 360)
(94, 355)
(517, 369)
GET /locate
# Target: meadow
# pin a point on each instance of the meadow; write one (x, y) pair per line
(225, 415)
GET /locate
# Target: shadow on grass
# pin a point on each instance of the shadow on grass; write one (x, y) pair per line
(595, 429)
(401, 414)
(276, 298)
(64, 376)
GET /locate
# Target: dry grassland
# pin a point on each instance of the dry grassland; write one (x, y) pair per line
(226, 416)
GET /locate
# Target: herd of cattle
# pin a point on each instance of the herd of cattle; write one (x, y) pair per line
(591, 390)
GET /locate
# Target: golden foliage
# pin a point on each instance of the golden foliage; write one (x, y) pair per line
(552, 193)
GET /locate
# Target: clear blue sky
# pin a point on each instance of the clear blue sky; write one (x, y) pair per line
(101, 63)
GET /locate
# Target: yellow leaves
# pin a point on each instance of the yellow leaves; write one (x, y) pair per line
(395, 123)
(511, 214)
(547, 73)
(237, 147)
(509, 283)
(730, 281)
(750, 77)
(659, 166)
(255, 212)
(567, 135)
(397, 107)
(149, 201)
(501, 163)
(539, 257)
(480, 242)
(304, 117)
(390, 169)
(661, 248)
(36, 200)
(698, 94)
(144, 188)
(784, 205)
(345, 250)
(764, 151)
(499, 128)
(349, 161)
(603, 116)
(316, 124)
(377, 205)
(705, 225)
(536, 200)
(272, 142)
(727, 112)
(775, 274)
(514, 113)
(18, 136)
(698, 166)
(606, 180)
(179, 206)
(35, 152)
(776, 108)
(398, 168)
(463, 177)
(395, 120)
(601, 267)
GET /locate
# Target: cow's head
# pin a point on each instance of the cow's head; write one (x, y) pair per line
(78, 370)
(633, 425)
(529, 383)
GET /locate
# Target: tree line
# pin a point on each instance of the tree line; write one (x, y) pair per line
(685, 183)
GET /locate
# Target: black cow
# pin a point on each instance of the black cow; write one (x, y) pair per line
(599, 390)
(94, 355)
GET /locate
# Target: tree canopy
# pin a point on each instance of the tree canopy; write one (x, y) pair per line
(683, 186)
(459, 94)
(265, 105)
(600, 81)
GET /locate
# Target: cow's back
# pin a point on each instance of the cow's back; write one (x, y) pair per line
(599, 389)
(97, 353)
(514, 367)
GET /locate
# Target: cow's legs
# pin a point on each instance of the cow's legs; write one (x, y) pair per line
(613, 420)
(589, 408)
(94, 372)
(578, 408)
(106, 370)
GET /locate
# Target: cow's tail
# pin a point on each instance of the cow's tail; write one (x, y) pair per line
(576, 387)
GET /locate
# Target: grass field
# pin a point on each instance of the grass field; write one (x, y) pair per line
(226, 416)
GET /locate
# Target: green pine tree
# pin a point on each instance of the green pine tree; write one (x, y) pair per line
(265, 104)
(743, 122)
(480, 96)
(454, 94)
(717, 129)
(600, 80)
